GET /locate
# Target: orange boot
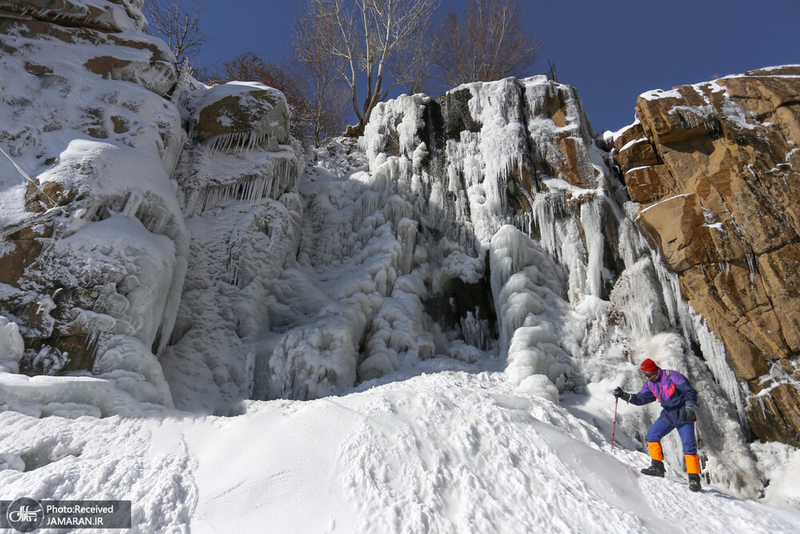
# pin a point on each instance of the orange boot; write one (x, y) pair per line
(693, 470)
(656, 468)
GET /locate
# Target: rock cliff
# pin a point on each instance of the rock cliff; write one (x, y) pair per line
(94, 243)
(716, 168)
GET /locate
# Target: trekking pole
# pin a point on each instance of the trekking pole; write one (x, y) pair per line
(614, 427)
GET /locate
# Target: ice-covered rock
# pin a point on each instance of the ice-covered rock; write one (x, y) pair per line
(144, 266)
(511, 177)
(94, 241)
(237, 186)
(238, 116)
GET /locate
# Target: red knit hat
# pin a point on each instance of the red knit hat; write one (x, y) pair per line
(648, 366)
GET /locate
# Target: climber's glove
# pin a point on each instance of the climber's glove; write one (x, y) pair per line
(689, 413)
(620, 394)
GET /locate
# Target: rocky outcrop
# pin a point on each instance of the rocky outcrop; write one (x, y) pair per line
(101, 180)
(716, 168)
(90, 139)
(240, 115)
(106, 16)
(105, 35)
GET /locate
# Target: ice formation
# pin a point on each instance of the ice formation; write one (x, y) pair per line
(566, 308)
(98, 153)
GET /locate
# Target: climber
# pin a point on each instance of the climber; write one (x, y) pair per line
(679, 400)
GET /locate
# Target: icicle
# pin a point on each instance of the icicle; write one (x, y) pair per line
(751, 265)
(407, 234)
(163, 220)
(171, 307)
(714, 355)
(273, 188)
(524, 223)
(476, 332)
(239, 141)
(546, 206)
(592, 222)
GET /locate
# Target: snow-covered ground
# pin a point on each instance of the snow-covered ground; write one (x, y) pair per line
(446, 447)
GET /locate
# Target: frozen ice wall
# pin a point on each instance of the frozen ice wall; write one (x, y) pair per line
(351, 307)
(510, 176)
(512, 152)
(94, 242)
(237, 181)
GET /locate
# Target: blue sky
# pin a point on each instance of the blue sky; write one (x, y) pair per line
(611, 51)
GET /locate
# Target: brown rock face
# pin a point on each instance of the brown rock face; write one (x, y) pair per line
(112, 15)
(136, 58)
(236, 114)
(716, 167)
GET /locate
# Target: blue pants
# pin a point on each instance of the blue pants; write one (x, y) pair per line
(686, 430)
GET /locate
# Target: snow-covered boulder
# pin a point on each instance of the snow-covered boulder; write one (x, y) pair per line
(239, 115)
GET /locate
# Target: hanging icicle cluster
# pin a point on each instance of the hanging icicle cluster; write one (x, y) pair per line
(250, 191)
(279, 177)
(238, 141)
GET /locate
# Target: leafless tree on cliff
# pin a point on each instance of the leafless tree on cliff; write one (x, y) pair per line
(365, 38)
(178, 23)
(325, 91)
(488, 43)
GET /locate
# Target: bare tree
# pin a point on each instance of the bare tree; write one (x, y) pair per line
(178, 24)
(489, 43)
(325, 91)
(412, 64)
(250, 67)
(362, 38)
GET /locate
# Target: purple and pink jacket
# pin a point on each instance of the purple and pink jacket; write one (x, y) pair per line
(672, 390)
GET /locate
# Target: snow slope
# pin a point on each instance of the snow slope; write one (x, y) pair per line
(446, 448)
